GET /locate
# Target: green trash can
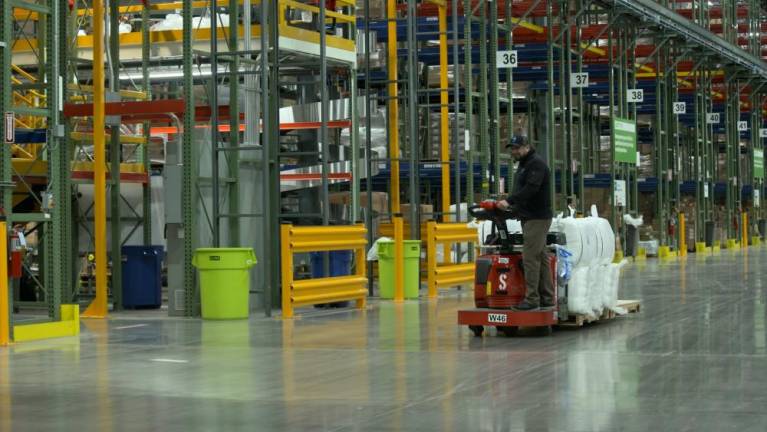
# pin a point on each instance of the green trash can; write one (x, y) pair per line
(412, 250)
(224, 281)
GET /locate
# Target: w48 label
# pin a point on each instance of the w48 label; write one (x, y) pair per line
(506, 59)
(497, 318)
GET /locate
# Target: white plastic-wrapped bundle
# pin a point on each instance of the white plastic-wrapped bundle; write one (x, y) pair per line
(572, 231)
(611, 283)
(596, 288)
(590, 242)
(608, 240)
(578, 291)
(514, 226)
(461, 212)
(485, 228)
(594, 282)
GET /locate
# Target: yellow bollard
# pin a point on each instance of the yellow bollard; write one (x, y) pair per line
(5, 318)
(664, 252)
(682, 236)
(431, 259)
(700, 247)
(641, 254)
(744, 230)
(286, 267)
(99, 306)
(399, 259)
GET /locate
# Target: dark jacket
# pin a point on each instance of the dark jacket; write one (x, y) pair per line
(530, 198)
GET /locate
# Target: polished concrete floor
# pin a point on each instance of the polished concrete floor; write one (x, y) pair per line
(694, 359)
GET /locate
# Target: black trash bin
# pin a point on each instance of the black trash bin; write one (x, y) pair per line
(762, 224)
(709, 234)
(632, 240)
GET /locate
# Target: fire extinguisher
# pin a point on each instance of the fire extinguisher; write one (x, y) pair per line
(14, 269)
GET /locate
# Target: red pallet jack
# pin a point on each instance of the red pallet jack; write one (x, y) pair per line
(499, 280)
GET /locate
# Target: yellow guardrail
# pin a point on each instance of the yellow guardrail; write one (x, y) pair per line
(322, 290)
(445, 274)
(69, 325)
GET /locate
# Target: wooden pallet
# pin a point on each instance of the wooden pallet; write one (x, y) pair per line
(578, 320)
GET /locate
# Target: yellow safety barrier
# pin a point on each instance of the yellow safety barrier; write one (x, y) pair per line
(445, 274)
(323, 290)
(700, 247)
(664, 252)
(682, 236)
(641, 254)
(744, 230)
(732, 243)
(68, 326)
(756, 241)
(5, 317)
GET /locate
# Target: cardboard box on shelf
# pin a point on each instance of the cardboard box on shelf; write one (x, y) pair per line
(426, 212)
(380, 201)
(599, 197)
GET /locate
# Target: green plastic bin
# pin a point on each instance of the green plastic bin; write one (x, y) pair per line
(224, 281)
(412, 250)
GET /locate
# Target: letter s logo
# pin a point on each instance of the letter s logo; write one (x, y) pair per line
(502, 281)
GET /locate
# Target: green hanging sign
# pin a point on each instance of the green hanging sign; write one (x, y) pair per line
(624, 136)
(758, 164)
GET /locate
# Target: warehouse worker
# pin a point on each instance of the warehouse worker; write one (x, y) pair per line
(530, 202)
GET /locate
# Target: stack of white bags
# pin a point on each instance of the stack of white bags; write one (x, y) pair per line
(594, 278)
(593, 284)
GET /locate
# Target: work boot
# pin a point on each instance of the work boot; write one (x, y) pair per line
(525, 307)
(547, 304)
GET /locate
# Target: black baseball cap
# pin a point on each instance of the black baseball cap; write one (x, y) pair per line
(516, 141)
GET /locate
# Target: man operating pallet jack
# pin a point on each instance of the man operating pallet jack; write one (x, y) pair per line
(530, 202)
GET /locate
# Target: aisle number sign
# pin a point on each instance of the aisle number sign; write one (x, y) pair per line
(635, 95)
(713, 118)
(579, 80)
(620, 193)
(506, 59)
(762, 133)
(742, 126)
(757, 202)
(759, 163)
(624, 136)
(10, 128)
(679, 108)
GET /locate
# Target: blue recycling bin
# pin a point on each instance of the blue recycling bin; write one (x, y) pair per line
(141, 276)
(340, 263)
